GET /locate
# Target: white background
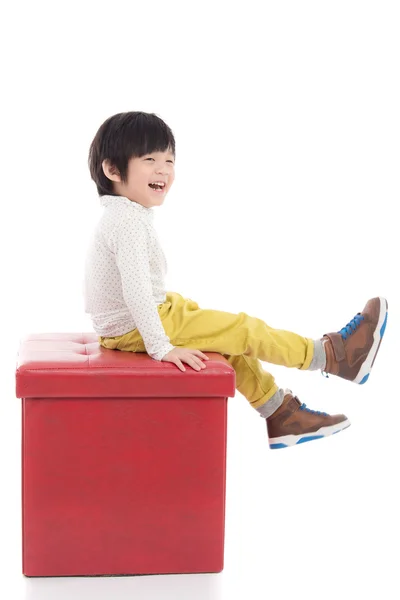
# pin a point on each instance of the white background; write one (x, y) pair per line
(286, 119)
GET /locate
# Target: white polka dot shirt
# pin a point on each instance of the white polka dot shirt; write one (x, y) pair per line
(124, 275)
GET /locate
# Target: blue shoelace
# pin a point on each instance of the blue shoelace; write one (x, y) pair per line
(316, 412)
(352, 326)
(346, 331)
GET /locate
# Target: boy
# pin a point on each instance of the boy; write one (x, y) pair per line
(131, 160)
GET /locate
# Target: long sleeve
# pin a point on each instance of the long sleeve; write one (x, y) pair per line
(130, 242)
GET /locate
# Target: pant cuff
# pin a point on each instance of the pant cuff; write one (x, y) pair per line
(309, 355)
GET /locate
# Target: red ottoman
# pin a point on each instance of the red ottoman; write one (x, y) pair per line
(123, 460)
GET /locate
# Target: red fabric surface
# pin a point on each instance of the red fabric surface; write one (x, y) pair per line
(113, 482)
(74, 364)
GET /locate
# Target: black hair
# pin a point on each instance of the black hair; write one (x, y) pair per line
(124, 136)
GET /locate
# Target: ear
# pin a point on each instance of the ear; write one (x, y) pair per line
(110, 170)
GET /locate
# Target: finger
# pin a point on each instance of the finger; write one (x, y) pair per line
(200, 353)
(200, 363)
(194, 363)
(180, 365)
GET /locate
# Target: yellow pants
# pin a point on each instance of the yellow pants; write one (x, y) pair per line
(243, 340)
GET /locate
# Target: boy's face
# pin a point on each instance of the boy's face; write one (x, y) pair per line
(153, 167)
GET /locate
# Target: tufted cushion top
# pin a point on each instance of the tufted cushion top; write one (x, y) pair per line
(60, 365)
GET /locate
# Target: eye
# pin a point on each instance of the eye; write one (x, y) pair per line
(171, 161)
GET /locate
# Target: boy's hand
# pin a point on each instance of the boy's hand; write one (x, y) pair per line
(186, 355)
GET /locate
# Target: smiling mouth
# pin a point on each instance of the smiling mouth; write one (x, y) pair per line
(157, 189)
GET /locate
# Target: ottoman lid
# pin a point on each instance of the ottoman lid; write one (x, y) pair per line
(60, 365)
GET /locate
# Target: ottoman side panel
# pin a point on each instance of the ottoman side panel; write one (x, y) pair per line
(123, 486)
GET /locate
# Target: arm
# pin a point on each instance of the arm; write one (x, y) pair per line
(132, 257)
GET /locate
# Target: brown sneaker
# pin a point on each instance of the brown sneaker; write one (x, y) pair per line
(351, 352)
(293, 423)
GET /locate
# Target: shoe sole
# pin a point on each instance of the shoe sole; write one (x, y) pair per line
(285, 441)
(366, 367)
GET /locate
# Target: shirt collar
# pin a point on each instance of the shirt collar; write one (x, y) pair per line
(107, 200)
